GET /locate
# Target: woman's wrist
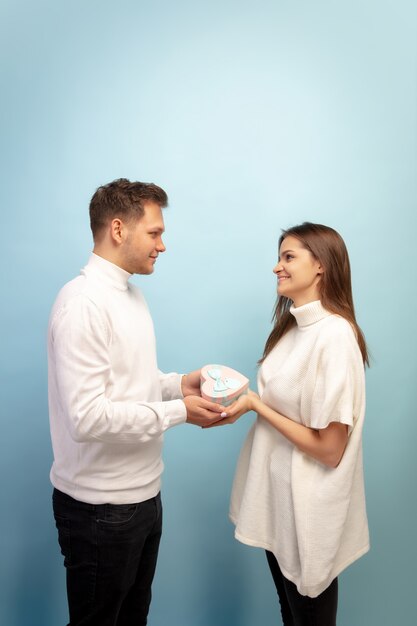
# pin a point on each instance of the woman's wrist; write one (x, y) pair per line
(254, 403)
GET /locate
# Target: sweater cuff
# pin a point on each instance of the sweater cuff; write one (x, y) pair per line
(175, 413)
(178, 386)
(171, 386)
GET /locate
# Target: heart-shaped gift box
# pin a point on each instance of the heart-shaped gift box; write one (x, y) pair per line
(222, 384)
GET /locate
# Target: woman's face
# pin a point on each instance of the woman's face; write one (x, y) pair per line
(298, 272)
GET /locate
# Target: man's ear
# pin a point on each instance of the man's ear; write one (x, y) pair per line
(116, 230)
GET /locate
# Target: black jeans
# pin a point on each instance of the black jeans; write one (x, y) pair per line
(298, 610)
(110, 553)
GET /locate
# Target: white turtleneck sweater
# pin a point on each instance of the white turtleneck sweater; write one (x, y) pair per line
(109, 404)
(312, 517)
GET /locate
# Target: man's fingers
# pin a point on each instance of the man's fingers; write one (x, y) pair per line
(212, 416)
(214, 407)
(217, 408)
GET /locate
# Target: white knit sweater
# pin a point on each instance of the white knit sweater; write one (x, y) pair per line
(312, 517)
(108, 403)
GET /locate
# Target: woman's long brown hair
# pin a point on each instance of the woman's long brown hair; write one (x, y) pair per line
(335, 288)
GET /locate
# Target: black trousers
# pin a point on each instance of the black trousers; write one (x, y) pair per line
(110, 553)
(298, 610)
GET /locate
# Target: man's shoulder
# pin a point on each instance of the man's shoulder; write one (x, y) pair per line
(76, 294)
(78, 286)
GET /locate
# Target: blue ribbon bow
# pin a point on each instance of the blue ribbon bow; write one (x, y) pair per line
(222, 384)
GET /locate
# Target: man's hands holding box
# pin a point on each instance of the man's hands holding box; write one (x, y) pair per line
(207, 393)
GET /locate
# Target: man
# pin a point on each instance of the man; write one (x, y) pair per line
(109, 407)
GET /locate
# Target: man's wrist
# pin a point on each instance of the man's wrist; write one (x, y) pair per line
(183, 384)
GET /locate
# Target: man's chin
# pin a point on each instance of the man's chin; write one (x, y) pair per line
(145, 271)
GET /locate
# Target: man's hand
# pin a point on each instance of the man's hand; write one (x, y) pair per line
(190, 384)
(201, 412)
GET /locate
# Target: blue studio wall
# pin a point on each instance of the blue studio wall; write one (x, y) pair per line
(254, 116)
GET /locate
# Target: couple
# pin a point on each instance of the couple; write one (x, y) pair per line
(298, 490)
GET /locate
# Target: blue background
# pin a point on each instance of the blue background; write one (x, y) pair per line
(253, 116)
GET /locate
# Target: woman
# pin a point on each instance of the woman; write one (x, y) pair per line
(298, 490)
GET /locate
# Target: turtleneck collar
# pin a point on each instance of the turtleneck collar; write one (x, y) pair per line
(309, 313)
(107, 271)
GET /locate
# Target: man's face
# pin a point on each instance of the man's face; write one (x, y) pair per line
(143, 242)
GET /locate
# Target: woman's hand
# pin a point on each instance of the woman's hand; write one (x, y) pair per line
(241, 406)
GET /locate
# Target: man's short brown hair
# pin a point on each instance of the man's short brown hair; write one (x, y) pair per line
(124, 199)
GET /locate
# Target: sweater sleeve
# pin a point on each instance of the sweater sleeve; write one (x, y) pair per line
(338, 379)
(170, 385)
(80, 349)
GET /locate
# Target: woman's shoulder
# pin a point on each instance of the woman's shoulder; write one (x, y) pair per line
(339, 330)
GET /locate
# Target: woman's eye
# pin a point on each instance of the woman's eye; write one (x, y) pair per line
(289, 257)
